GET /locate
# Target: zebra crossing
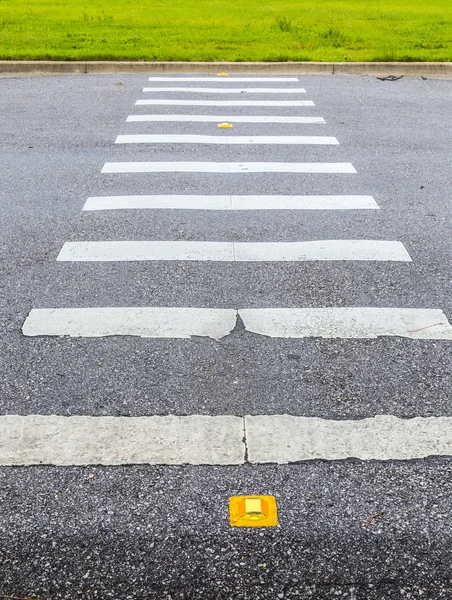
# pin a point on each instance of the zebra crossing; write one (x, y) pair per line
(353, 322)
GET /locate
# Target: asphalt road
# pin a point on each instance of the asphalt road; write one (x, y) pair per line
(162, 532)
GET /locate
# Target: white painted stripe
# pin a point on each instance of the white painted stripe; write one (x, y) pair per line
(216, 440)
(228, 140)
(160, 322)
(234, 251)
(321, 250)
(349, 322)
(222, 79)
(203, 90)
(192, 202)
(144, 250)
(216, 167)
(223, 119)
(155, 322)
(171, 440)
(286, 439)
(225, 102)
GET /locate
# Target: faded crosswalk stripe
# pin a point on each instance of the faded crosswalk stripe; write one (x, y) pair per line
(228, 79)
(166, 102)
(222, 119)
(171, 322)
(78, 440)
(156, 322)
(195, 202)
(204, 90)
(350, 250)
(231, 140)
(216, 440)
(219, 167)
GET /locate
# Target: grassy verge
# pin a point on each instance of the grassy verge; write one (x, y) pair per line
(214, 30)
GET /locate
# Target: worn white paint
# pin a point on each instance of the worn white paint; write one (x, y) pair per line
(349, 322)
(303, 202)
(218, 167)
(80, 440)
(223, 79)
(161, 322)
(195, 202)
(216, 440)
(155, 322)
(286, 438)
(227, 140)
(234, 251)
(321, 250)
(145, 250)
(256, 90)
(166, 102)
(224, 119)
(205, 90)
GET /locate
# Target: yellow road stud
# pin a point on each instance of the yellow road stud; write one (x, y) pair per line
(225, 125)
(222, 74)
(253, 511)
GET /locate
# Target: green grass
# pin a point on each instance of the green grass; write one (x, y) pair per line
(237, 30)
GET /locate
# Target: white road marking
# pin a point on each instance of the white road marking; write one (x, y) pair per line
(216, 440)
(351, 250)
(286, 438)
(217, 167)
(225, 102)
(80, 440)
(152, 322)
(222, 119)
(228, 140)
(145, 250)
(160, 322)
(321, 250)
(349, 322)
(220, 79)
(193, 202)
(204, 90)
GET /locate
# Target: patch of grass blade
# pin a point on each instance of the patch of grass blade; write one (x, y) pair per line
(330, 30)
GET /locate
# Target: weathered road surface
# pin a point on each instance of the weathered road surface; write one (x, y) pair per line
(194, 312)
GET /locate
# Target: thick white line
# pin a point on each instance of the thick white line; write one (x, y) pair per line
(145, 250)
(286, 439)
(234, 251)
(203, 90)
(220, 79)
(225, 102)
(213, 167)
(190, 202)
(223, 119)
(138, 321)
(171, 440)
(349, 322)
(217, 440)
(228, 140)
(321, 250)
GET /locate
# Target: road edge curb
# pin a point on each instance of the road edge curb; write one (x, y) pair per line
(436, 70)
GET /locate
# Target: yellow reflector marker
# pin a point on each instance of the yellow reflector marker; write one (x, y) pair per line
(225, 125)
(222, 74)
(253, 511)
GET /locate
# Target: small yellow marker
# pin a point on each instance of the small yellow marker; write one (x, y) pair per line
(253, 511)
(225, 125)
(222, 74)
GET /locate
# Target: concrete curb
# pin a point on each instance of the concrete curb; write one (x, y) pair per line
(434, 70)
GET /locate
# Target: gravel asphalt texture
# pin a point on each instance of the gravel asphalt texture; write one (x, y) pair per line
(162, 532)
